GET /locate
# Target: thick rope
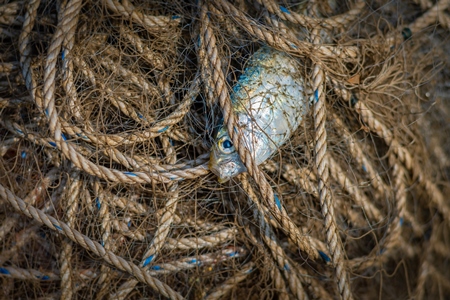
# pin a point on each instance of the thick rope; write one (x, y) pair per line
(82, 240)
(405, 157)
(326, 201)
(270, 240)
(281, 42)
(221, 91)
(67, 284)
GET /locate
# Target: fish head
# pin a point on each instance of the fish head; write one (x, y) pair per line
(224, 160)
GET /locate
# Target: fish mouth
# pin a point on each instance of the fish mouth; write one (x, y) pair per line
(216, 166)
(226, 168)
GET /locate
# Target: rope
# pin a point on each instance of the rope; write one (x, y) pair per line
(109, 129)
(82, 240)
(67, 284)
(220, 88)
(322, 163)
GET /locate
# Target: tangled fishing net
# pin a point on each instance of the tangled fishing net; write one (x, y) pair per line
(107, 116)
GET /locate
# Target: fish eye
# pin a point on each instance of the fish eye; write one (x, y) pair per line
(226, 146)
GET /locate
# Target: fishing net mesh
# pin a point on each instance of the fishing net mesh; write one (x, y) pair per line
(108, 110)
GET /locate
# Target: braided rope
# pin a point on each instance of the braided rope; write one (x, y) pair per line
(165, 223)
(434, 14)
(82, 240)
(123, 228)
(305, 21)
(278, 41)
(357, 153)
(269, 264)
(49, 105)
(128, 10)
(209, 241)
(31, 198)
(7, 224)
(155, 171)
(403, 155)
(394, 233)
(68, 80)
(27, 274)
(104, 216)
(133, 204)
(67, 284)
(270, 240)
(220, 88)
(230, 283)
(322, 163)
(8, 13)
(360, 198)
(157, 242)
(430, 16)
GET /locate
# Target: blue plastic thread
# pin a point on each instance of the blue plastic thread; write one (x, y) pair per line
(233, 254)
(45, 277)
(46, 112)
(401, 221)
(192, 261)
(156, 268)
(23, 154)
(4, 271)
(316, 95)
(57, 227)
(82, 136)
(277, 201)
(19, 131)
(97, 202)
(130, 174)
(63, 54)
(63, 137)
(175, 17)
(325, 257)
(285, 10)
(148, 260)
(286, 267)
(52, 144)
(364, 168)
(163, 129)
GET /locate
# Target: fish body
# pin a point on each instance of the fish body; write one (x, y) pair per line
(269, 102)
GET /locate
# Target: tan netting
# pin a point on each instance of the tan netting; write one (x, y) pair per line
(107, 116)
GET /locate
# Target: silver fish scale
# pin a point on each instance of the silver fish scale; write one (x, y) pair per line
(269, 101)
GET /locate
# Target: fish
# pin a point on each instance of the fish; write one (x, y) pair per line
(270, 101)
